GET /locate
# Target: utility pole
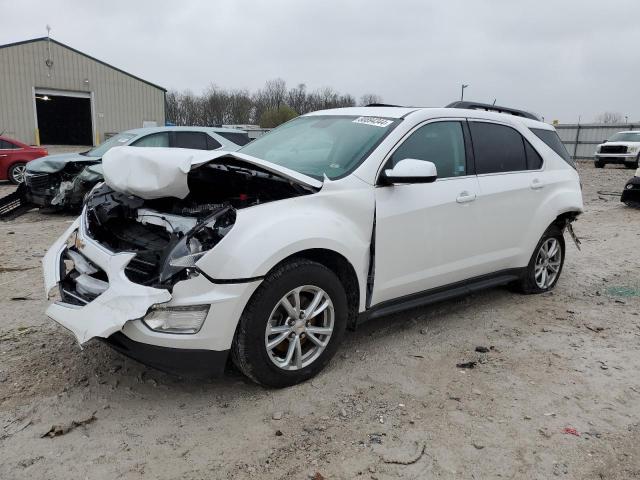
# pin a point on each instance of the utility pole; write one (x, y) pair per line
(462, 91)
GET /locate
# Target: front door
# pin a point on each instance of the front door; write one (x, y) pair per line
(425, 234)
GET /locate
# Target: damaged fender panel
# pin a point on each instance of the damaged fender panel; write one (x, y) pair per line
(337, 218)
(122, 301)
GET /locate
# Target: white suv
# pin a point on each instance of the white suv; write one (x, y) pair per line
(622, 148)
(271, 252)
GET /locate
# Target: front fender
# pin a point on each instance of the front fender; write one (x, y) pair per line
(335, 219)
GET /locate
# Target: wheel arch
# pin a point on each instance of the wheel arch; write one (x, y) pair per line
(341, 267)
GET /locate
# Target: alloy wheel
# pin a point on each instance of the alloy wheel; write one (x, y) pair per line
(17, 174)
(299, 327)
(548, 263)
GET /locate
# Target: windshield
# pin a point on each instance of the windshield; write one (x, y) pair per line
(322, 145)
(625, 137)
(115, 141)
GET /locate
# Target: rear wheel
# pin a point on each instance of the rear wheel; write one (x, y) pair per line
(599, 164)
(292, 325)
(16, 173)
(546, 263)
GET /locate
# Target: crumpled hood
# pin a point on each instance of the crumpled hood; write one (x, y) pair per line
(150, 172)
(55, 163)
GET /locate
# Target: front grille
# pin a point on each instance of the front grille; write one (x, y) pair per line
(142, 270)
(613, 149)
(38, 181)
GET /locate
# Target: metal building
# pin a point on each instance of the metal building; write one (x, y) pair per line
(53, 94)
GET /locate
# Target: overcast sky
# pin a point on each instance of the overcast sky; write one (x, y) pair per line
(559, 58)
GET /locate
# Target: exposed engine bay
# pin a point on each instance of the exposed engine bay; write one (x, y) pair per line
(169, 235)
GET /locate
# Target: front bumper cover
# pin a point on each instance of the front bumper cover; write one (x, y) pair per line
(177, 361)
(619, 158)
(115, 315)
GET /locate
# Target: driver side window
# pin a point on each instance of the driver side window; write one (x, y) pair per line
(441, 143)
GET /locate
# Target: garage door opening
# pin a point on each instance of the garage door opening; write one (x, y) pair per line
(64, 119)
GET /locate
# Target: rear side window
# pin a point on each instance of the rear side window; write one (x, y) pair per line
(160, 139)
(192, 140)
(240, 139)
(212, 143)
(4, 145)
(534, 160)
(550, 137)
(497, 148)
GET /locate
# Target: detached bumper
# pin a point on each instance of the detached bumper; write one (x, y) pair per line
(115, 315)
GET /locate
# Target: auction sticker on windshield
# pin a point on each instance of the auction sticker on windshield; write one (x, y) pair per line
(375, 121)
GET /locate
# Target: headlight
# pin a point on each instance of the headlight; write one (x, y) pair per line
(195, 244)
(633, 149)
(176, 319)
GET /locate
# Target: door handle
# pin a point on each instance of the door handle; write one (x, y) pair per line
(465, 197)
(4, 155)
(536, 184)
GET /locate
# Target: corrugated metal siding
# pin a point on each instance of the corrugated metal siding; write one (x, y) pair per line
(581, 140)
(121, 102)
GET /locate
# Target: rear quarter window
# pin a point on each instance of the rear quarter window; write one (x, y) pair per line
(550, 137)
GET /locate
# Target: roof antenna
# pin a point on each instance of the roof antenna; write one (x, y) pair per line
(49, 62)
(494, 101)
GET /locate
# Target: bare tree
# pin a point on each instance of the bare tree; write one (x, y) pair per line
(219, 106)
(609, 117)
(369, 98)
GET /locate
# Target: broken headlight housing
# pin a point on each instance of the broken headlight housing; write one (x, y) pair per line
(195, 244)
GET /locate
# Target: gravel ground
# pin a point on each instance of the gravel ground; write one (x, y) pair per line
(392, 404)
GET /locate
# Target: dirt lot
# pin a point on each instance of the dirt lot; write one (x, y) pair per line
(392, 404)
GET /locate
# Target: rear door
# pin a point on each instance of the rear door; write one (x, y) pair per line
(511, 187)
(425, 234)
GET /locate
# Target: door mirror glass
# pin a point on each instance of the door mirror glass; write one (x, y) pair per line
(411, 170)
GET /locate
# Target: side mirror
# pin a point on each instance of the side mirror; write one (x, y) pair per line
(410, 170)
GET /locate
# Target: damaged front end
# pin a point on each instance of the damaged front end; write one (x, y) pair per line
(63, 190)
(129, 265)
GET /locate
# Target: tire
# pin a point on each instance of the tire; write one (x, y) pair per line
(599, 164)
(15, 174)
(269, 367)
(530, 283)
(633, 165)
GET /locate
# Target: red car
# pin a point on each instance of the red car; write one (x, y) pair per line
(14, 156)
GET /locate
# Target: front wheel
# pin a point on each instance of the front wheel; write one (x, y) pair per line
(599, 164)
(16, 173)
(631, 164)
(292, 325)
(546, 263)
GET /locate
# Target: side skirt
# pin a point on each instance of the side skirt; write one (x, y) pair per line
(441, 294)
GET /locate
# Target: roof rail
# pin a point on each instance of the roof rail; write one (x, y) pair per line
(382, 105)
(492, 108)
